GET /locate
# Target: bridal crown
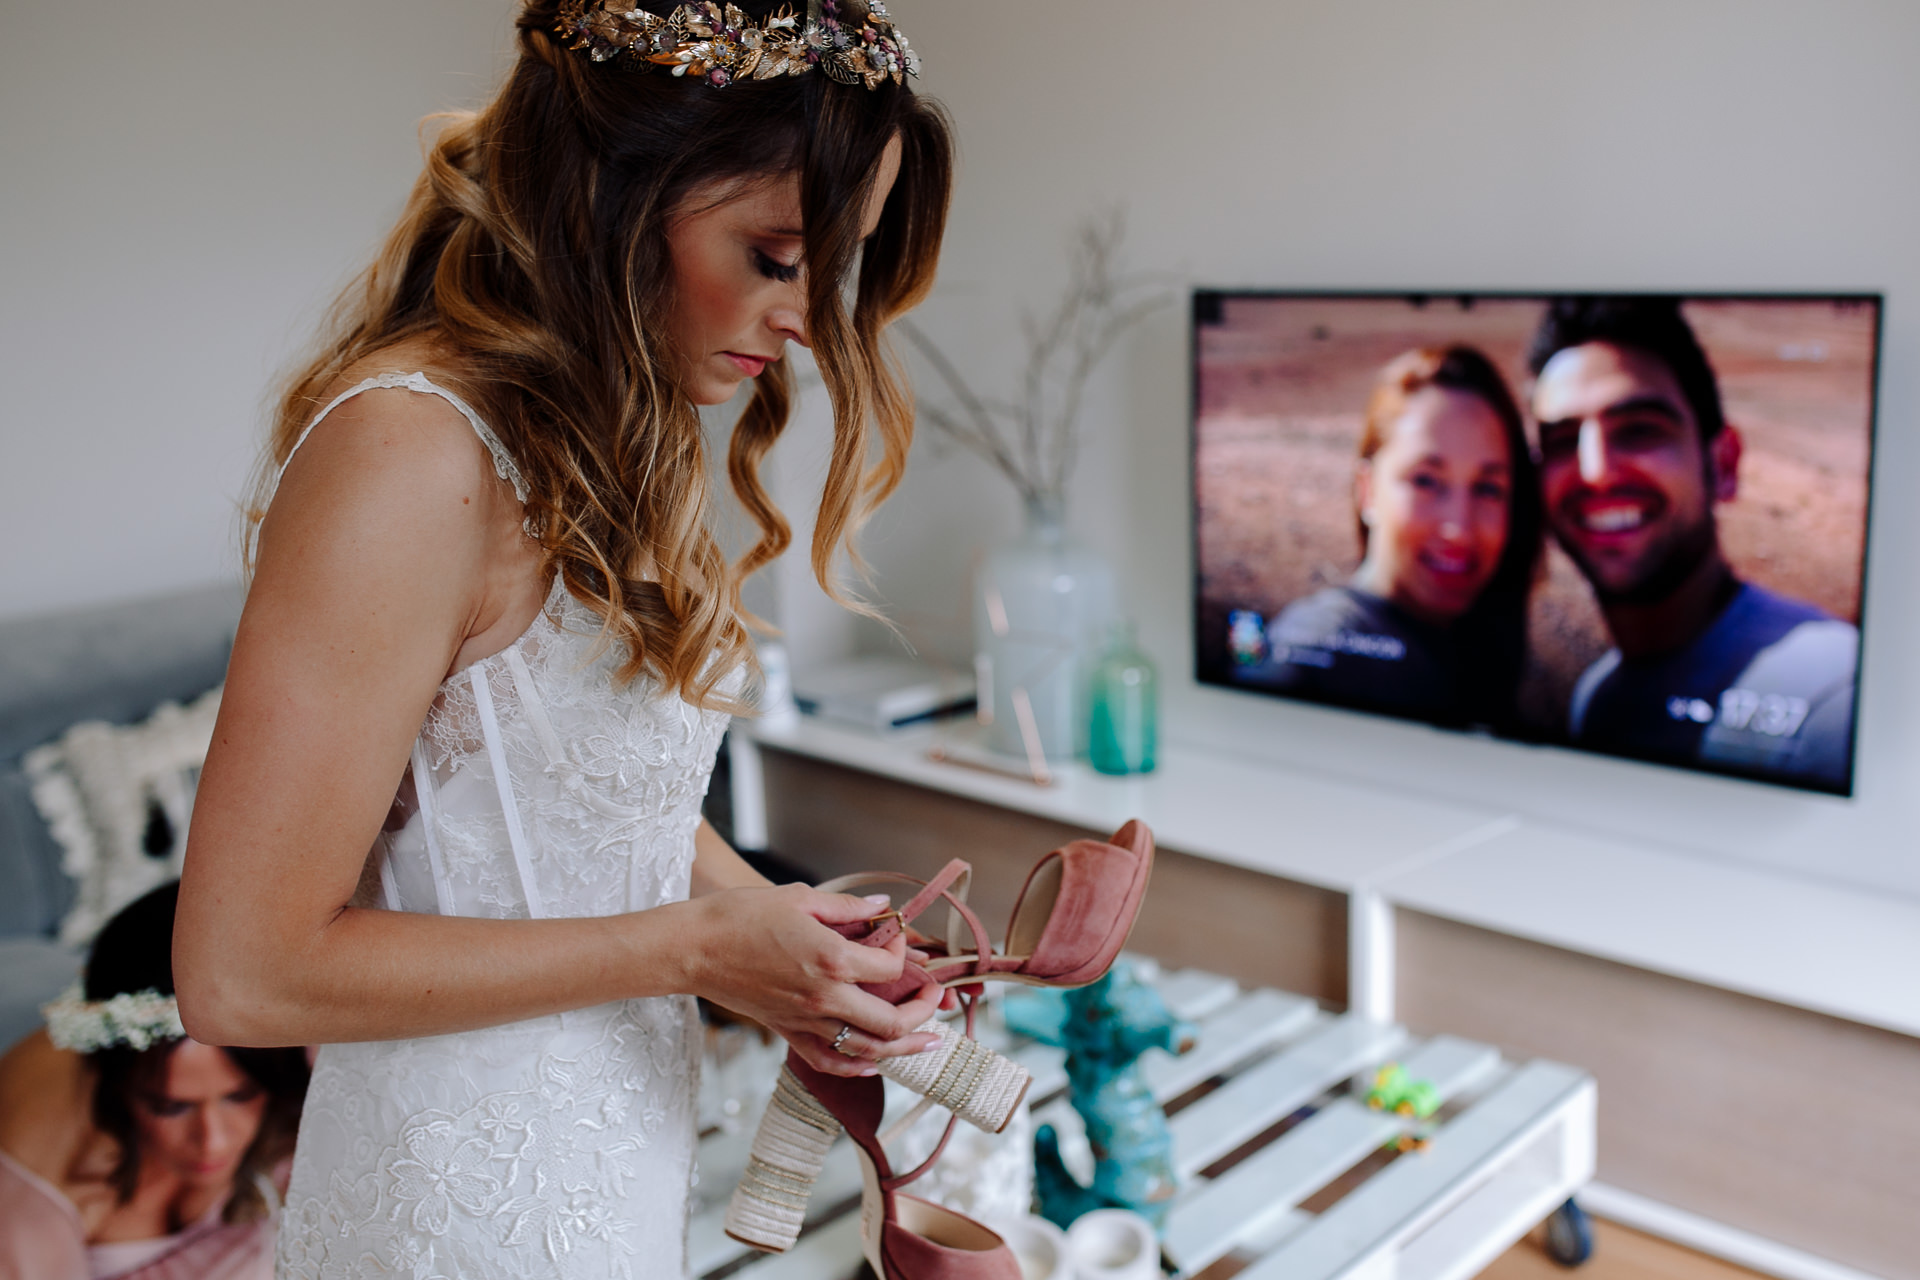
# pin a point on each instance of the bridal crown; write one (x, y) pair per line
(851, 42)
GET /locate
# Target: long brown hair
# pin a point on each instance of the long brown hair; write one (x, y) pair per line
(533, 256)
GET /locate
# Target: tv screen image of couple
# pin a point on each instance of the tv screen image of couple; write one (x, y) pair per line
(1631, 524)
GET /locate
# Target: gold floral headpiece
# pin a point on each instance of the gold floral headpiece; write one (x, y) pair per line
(852, 42)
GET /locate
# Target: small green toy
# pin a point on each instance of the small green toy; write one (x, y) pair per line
(1394, 1090)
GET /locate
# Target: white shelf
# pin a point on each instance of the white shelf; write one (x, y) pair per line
(1798, 942)
(1318, 831)
(1794, 941)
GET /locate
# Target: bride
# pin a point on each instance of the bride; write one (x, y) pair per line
(449, 828)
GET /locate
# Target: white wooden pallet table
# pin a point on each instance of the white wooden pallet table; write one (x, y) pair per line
(1268, 1113)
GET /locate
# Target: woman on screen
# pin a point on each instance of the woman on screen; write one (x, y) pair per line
(1433, 622)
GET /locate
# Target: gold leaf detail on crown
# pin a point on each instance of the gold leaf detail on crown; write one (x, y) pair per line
(851, 43)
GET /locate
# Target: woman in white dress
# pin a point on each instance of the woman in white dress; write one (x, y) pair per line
(449, 828)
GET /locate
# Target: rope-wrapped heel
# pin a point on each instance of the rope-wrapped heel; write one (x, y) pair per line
(789, 1148)
(974, 1082)
(769, 1206)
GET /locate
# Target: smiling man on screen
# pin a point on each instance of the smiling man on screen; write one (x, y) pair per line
(1634, 456)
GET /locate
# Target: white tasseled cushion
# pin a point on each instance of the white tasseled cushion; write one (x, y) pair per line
(101, 787)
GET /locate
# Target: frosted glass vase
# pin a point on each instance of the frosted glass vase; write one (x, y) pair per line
(1041, 609)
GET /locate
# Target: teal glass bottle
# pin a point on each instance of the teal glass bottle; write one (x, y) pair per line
(1124, 704)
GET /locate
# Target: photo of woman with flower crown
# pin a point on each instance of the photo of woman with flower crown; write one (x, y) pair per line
(128, 1150)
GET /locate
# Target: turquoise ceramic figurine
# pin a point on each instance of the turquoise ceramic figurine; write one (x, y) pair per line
(1104, 1029)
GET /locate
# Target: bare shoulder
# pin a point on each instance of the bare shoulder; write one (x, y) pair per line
(395, 455)
(393, 501)
(44, 1106)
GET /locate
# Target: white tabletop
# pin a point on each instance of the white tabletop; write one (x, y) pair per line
(1316, 830)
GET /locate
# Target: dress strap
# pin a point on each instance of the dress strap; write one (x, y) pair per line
(503, 465)
(503, 781)
(426, 797)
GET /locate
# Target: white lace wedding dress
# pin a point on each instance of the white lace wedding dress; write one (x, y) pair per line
(558, 1146)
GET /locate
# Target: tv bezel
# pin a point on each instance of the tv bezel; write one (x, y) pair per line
(1199, 293)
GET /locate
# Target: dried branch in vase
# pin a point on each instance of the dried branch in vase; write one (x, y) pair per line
(1033, 438)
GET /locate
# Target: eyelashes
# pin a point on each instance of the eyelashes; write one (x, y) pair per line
(773, 269)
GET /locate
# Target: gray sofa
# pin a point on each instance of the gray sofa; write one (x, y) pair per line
(114, 663)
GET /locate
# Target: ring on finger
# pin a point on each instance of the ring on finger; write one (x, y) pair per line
(840, 1041)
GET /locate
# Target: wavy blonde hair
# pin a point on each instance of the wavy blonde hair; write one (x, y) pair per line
(532, 256)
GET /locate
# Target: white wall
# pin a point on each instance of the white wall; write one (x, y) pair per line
(183, 188)
(1481, 144)
(186, 185)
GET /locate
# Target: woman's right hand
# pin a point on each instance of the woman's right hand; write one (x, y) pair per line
(767, 954)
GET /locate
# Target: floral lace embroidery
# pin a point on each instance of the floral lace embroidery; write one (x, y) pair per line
(561, 1176)
(561, 1146)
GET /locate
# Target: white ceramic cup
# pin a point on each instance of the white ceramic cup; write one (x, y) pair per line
(1039, 1246)
(1113, 1244)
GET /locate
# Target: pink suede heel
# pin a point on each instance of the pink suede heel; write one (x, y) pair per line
(1072, 917)
(975, 1083)
(903, 1236)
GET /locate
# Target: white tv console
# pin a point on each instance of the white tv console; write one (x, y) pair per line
(1799, 942)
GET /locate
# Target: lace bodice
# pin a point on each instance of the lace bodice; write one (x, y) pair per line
(536, 790)
(558, 1146)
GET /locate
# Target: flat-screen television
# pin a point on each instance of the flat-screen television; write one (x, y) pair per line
(1631, 524)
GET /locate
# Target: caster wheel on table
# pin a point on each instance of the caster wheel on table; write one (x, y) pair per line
(1569, 1235)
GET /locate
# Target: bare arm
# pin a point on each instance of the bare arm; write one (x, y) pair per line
(391, 556)
(45, 1097)
(717, 866)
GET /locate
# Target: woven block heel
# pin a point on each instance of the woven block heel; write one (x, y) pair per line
(974, 1082)
(769, 1206)
(903, 1236)
(789, 1148)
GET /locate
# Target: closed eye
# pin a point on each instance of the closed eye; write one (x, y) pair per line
(773, 269)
